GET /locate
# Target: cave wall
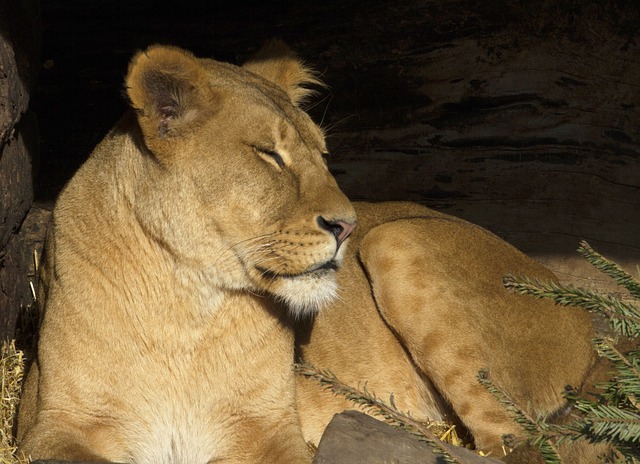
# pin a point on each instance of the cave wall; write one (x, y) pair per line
(19, 62)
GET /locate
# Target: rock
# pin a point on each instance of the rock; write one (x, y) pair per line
(356, 438)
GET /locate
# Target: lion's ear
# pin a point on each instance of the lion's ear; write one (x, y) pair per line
(276, 62)
(169, 88)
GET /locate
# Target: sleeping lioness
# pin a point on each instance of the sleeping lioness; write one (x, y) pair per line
(204, 227)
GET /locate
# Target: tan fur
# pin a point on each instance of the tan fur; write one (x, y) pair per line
(202, 227)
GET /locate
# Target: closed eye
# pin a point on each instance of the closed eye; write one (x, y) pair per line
(270, 156)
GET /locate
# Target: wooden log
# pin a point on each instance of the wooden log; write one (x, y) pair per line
(356, 438)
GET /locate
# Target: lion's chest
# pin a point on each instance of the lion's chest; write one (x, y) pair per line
(178, 413)
(172, 436)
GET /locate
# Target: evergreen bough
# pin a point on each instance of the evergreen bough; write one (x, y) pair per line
(613, 417)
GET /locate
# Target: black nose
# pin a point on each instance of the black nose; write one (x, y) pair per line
(340, 229)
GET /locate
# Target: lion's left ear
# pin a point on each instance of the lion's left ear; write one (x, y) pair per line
(170, 90)
(276, 62)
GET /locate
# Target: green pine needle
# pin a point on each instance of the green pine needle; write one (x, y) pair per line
(626, 365)
(610, 268)
(610, 423)
(623, 317)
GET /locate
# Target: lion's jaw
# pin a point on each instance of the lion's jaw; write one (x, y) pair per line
(304, 285)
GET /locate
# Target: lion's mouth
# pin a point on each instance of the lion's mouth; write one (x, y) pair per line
(328, 266)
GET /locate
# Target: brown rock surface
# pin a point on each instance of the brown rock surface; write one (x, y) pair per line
(355, 438)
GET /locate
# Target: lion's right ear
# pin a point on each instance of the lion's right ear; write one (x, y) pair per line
(169, 88)
(277, 63)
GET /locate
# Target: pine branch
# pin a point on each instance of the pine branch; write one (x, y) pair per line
(535, 429)
(623, 317)
(610, 423)
(610, 268)
(370, 403)
(627, 379)
(614, 417)
(581, 428)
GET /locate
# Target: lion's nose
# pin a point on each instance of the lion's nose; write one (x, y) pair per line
(340, 229)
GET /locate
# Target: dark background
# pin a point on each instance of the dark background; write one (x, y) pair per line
(521, 116)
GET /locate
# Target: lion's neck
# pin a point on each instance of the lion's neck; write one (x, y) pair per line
(127, 265)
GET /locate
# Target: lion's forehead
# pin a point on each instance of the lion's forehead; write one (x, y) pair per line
(301, 130)
(242, 84)
(248, 93)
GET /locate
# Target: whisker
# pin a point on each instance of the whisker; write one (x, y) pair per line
(327, 130)
(319, 102)
(249, 241)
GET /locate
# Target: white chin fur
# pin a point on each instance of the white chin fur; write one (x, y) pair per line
(306, 296)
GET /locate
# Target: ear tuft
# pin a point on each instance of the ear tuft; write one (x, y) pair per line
(276, 62)
(169, 88)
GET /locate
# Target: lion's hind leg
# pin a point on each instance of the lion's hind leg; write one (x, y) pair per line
(438, 285)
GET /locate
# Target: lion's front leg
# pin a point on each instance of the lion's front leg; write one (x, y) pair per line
(55, 434)
(272, 437)
(55, 437)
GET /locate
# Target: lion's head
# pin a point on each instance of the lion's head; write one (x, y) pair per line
(236, 183)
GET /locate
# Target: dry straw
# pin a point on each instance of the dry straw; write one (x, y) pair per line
(12, 365)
